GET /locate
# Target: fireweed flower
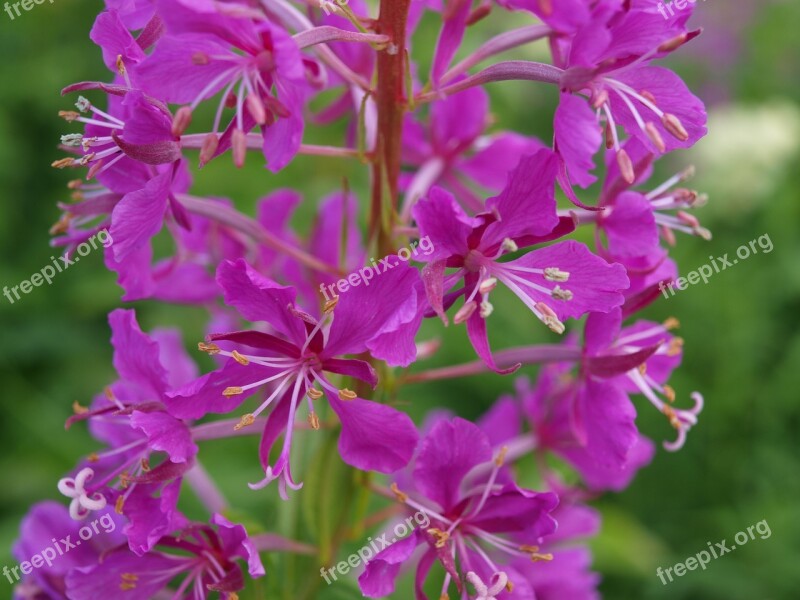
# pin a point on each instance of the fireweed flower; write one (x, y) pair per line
(203, 557)
(560, 281)
(374, 436)
(48, 521)
(470, 518)
(609, 63)
(589, 420)
(130, 475)
(206, 51)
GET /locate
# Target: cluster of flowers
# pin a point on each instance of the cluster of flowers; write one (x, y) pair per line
(260, 65)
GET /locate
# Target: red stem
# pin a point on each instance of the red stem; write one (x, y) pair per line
(391, 102)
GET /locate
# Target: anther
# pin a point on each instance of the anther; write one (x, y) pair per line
(401, 497)
(509, 245)
(626, 166)
(671, 323)
(239, 146)
(330, 305)
(673, 44)
(465, 312)
(72, 139)
(345, 394)
(561, 294)
(208, 148)
(313, 420)
(556, 274)
(487, 285)
(239, 358)
(69, 115)
(669, 393)
(675, 346)
(181, 121)
(314, 393)
(63, 163)
(78, 409)
(145, 462)
(441, 537)
(675, 127)
(232, 391)
(119, 504)
(501, 456)
(486, 309)
(655, 136)
(210, 348)
(246, 420)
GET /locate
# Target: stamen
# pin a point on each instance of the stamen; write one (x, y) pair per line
(314, 393)
(313, 420)
(671, 323)
(465, 312)
(561, 294)
(232, 391)
(181, 121)
(556, 274)
(398, 494)
(209, 348)
(534, 553)
(78, 409)
(345, 394)
(442, 537)
(330, 305)
(486, 309)
(509, 245)
(550, 318)
(239, 358)
(675, 127)
(246, 420)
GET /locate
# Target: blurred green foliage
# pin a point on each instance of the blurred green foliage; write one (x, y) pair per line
(740, 465)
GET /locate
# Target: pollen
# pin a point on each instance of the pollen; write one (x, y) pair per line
(536, 556)
(501, 456)
(441, 537)
(78, 409)
(314, 393)
(313, 420)
(561, 294)
(239, 358)
(556, 274)
(671, 323)
(345, 394)
(69, 115)
(210, 348)
(232, 391)
(401, 497)
(330, 305)
(62, 163)
(672, 416)
(246, 420)
(509, 245)
(669, 393)
(675, 346)
(93, 457)
(127, 581)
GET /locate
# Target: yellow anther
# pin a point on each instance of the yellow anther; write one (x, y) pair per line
(313, 420)
(232, 391)
(239, 358)
(93, 457)
(246, 420)
(401, 497)
(669, 393)
(672, 416)
(120, 65)
(675, 346)
(534, 553)
(501, 456)
(62, 163)
(78, 409)
(314, 393)
(119, 504)
(441, 537)
(671, 323)
(345, 394)
(210, 348)
(69, 115)
(330, 305)
(145, 465)
(643, 369)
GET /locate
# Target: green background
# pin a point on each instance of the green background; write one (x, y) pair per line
(740, 465)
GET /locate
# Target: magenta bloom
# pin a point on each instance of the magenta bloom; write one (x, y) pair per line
(204, 556)
(148, 449)
(296, 356)
(524, 214)
(209, 48)
(472, 503)
(609, 62)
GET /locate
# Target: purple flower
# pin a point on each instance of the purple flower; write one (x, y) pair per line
(211, 47)
(609, 61)
(48, 521)
(524, 214)
(296, 356)
(472, 504)
(204, 556)
(130, 418)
